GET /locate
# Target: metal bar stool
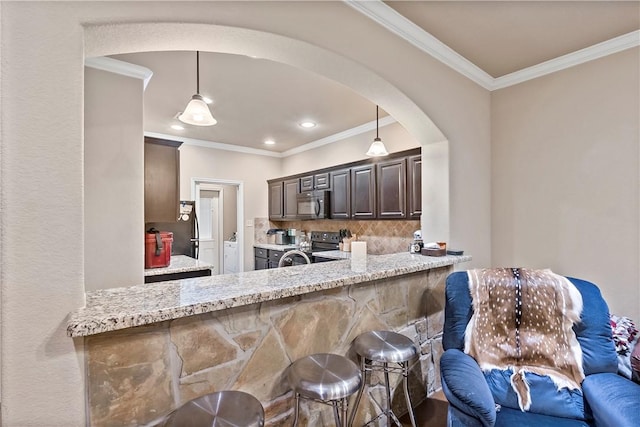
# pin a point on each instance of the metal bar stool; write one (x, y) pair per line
(377, 349)
(325, 378)
(223, 408)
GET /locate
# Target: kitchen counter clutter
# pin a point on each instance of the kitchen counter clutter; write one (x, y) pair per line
(180, 267)
(119, 308)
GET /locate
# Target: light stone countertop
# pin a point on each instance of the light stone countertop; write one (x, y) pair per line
(274, 247)
(121, 308)
(333, 254)
(179, 264)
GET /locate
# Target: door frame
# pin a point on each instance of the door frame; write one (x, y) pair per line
(196, 182)
(219, 223)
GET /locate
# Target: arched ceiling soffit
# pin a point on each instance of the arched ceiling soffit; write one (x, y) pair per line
(111, 39)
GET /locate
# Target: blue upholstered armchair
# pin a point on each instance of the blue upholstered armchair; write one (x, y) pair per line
(606, 399)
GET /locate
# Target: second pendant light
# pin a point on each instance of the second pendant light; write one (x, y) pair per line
(377, 148)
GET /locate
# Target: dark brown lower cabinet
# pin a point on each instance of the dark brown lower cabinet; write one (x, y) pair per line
(261, 258)
(274, 258)
(261, 263)
(266, 258)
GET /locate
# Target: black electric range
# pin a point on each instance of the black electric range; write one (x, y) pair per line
(324, 241)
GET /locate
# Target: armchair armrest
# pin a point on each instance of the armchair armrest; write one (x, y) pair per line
(465, 387)
(635, 363)
(614, 400)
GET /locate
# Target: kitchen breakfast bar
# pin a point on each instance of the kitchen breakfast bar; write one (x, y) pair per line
(149, 348)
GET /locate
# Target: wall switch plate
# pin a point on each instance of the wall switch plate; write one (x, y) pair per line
(249, 223)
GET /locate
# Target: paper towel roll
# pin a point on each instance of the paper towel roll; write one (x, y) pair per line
(359, 256)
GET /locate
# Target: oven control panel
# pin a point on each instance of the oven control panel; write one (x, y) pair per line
(325, 237)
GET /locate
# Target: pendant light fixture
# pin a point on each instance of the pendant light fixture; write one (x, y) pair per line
(197, 112)
(377, 148)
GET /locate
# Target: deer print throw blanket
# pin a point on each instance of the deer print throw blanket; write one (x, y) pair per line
(522, 320)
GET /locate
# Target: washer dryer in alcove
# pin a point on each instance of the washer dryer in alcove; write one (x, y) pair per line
(230, 257)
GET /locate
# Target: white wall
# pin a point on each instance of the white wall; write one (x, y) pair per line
(113, 181)
(435, 221)
(252, 170)
(1, 251)
(565, 181)
(43, 48)
(42, 231)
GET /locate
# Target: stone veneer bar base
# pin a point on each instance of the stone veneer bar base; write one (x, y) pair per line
(137, 375)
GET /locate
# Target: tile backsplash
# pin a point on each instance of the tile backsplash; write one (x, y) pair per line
(382, 237)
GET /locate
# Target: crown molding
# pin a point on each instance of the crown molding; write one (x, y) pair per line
(215, 145)
(366, 127)
(387, 17)
(120, 67)
(609, 47)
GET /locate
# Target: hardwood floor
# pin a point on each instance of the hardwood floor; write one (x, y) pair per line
(432, 412)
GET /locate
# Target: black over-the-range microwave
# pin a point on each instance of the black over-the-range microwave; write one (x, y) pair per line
(313, 204)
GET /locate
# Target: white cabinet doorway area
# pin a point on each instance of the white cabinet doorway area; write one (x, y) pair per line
(220, 218)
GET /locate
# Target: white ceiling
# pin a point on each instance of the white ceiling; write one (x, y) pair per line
(502, 37)
(257, 99)
(253, 99)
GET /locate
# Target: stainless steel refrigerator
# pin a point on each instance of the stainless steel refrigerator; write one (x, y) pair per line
(185, 230)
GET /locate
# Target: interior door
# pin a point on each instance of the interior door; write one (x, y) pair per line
(209, 212)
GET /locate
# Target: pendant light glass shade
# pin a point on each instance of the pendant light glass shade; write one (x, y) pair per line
(197, 112)
(377, 148)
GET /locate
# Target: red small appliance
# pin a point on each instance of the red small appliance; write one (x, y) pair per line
(157, 248)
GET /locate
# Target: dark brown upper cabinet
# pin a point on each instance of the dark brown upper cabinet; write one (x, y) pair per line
(392, 189)
(363, 192)
(414, 184)
(318, 181)
(276, 201)
(290, 208)
(161, 180)
(388, 188)
(340, 204)
(283, 199)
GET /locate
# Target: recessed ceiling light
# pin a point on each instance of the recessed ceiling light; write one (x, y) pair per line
(177, 127)
(308, 124)
(270, 142)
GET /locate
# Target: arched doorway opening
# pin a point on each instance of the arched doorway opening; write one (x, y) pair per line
(129, 38)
